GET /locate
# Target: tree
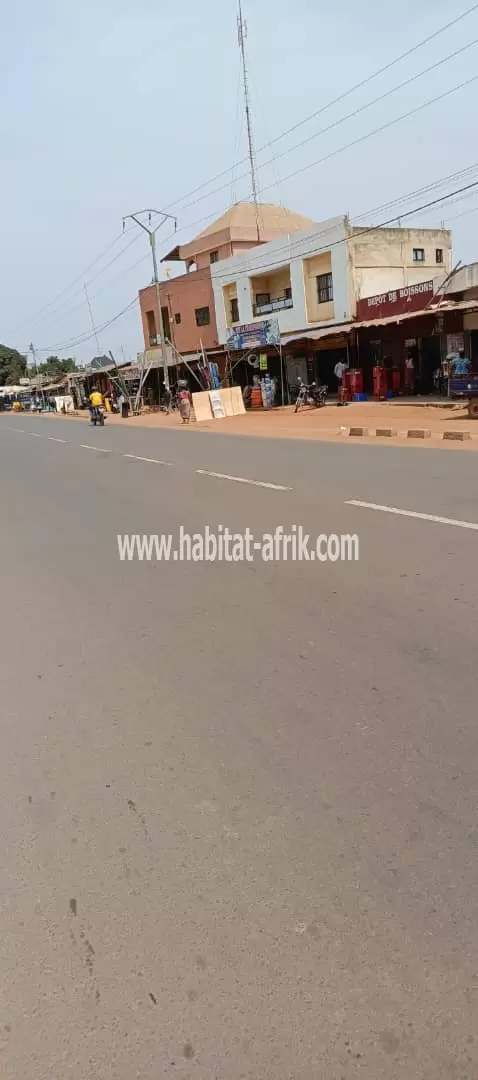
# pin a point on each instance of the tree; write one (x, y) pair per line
(13, 366)
(54, 366)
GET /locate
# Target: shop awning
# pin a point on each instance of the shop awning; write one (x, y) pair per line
(316, 335)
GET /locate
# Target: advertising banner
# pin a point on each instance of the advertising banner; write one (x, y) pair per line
(254, 335)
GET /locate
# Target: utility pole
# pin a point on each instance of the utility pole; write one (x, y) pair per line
(92, 322)
(152, 240)
(34, 357)
(242, 34)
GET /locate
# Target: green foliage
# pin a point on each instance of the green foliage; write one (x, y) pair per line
(13, 366)
(54, 366)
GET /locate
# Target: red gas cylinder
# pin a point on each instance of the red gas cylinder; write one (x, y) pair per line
(256, 397)
(346, 386)
(356, 381)
(379, 383)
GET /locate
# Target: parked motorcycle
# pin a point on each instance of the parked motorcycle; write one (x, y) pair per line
(310, 394)
(98, 415)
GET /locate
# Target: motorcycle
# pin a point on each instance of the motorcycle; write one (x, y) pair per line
(310, 394)
(98, 415)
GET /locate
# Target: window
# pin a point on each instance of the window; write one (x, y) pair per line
(262, 298)
(166, 326)
(214, 256)
(235, 310)
(419, 254)
(325, 288)
(177, 318)
(439, 255)
(288, 294)
(203, 317)
(151, 324)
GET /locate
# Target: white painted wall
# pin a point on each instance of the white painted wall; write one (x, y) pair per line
(287, 250)
(382, 259)
(363, 264)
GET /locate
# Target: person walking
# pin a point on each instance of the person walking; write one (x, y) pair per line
(184, 404)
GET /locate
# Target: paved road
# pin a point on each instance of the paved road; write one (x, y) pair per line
(239, 801)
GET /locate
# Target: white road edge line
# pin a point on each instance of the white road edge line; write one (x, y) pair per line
(19, 430)
(413, 514)
(100, 449)
(243, 480)
(53, 438)
(36, 434)
(150, 460)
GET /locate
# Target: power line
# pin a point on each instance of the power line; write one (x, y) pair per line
(103, 269)
(342, 120)
(72, 283)
(61, 346)
(177, 282)
(421, 191)
(334, 101)
(464, 213)
(372, 228)
(377, 131)
(132, 266)
(273, 141)
(314, 250)
(369, 104)
(451, 177)
(412, 79)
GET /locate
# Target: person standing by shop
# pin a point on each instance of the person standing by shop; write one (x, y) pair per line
(339, 372)
(409, 374)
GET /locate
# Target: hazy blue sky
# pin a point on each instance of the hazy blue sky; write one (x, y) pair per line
(111, 105)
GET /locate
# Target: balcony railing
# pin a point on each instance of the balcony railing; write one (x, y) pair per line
(273, 305)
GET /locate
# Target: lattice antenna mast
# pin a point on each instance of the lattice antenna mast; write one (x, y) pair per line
(242, 34)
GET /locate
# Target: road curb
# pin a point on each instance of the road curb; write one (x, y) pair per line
(386, 433)
(419, 433)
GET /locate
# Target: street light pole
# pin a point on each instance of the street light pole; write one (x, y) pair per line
(152, 240)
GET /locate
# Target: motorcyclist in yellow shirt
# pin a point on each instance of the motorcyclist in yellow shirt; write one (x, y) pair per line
(96, 401)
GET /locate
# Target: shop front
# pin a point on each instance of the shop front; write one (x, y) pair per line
(406, 338)
(312, 356)
(255, 362)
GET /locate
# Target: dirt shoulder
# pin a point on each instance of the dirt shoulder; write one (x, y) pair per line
(331, 423)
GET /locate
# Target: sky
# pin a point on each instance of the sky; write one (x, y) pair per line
(109, 106)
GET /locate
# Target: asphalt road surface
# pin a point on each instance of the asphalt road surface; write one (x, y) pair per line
(239, 832)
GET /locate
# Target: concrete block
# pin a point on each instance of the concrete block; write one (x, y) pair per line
(386, 433)
(358, 431)
(418, 433)
(457, 436)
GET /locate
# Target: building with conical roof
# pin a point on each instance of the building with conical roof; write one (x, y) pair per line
(187, 300)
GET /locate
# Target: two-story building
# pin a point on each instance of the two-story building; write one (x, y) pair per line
(187, 300)
(312, 280)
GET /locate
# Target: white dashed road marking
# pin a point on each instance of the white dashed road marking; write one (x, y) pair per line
(159, 461)
(150, 460)
(243, 480)
(100, 449)
(414, 514)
